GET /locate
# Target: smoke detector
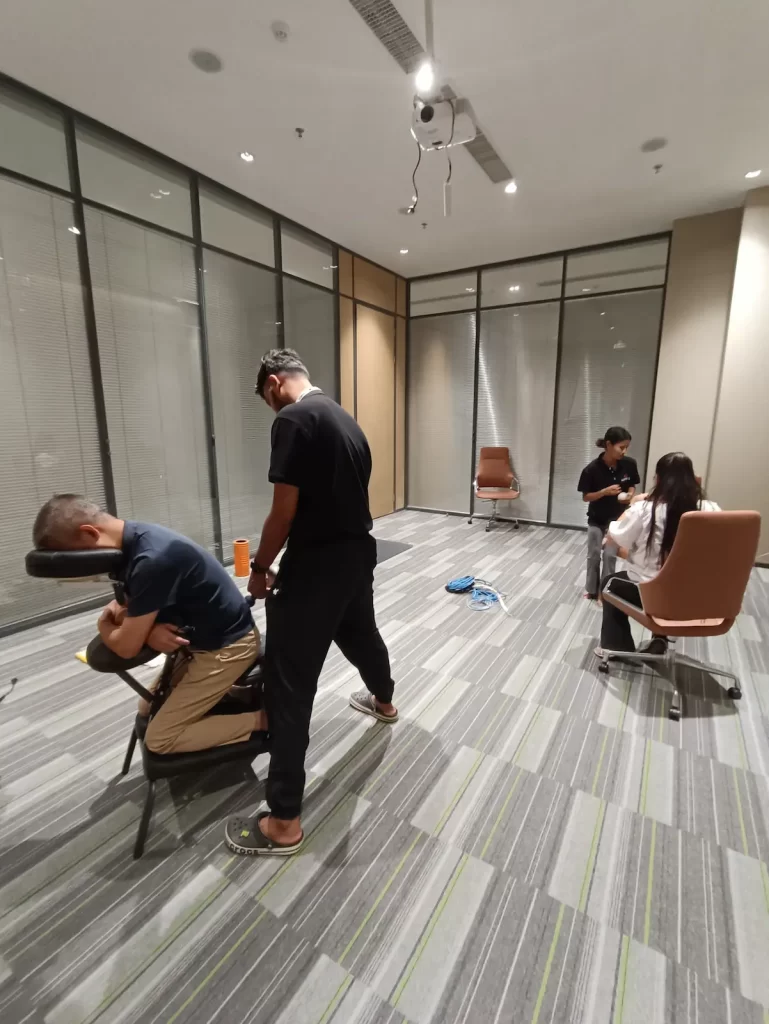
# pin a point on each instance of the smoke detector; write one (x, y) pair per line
(280, 30)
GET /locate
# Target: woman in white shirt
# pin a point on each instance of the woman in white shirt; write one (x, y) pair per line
(644, 535)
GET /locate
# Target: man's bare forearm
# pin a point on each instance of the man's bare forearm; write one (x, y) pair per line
(274, 534)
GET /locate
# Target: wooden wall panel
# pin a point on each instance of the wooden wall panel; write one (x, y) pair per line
(373, 285)
(346, 356)
(400, 304)
(345, 273)
(400, 412)
(375, 363)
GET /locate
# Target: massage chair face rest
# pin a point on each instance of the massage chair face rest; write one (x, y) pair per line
(74, 565)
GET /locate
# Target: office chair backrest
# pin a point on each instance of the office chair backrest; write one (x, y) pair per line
(708, 568)
(494, 468)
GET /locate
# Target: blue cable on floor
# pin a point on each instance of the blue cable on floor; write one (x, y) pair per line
(481, 595)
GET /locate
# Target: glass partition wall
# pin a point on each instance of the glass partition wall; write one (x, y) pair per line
(136, 300)
(554, 351)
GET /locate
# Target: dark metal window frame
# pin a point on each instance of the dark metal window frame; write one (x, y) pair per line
(562, 299)
(70, 120)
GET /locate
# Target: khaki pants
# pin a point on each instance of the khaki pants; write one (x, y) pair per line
(198, 684)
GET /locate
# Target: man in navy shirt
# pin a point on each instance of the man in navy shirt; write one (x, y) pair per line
(170, 584)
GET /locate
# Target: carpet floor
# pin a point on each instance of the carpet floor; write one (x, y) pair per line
(532, 842)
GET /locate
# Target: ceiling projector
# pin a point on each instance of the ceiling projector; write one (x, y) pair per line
(442, 123)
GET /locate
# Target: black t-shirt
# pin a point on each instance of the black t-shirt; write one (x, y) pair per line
(173, 576)
(597, 475)
(319, 448)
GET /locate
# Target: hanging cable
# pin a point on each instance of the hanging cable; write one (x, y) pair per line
(415, 198)
(451, 139)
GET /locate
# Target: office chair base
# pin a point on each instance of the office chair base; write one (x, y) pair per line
(672, 660)
(493, 519)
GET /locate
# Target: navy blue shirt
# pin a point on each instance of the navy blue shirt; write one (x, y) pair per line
(170, 574)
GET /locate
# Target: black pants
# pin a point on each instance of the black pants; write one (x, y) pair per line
(615, 627)
(322, 595)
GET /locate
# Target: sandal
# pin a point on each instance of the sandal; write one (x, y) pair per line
(245, 837)
(366, 703)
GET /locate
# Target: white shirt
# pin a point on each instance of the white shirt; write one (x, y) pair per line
(631, 531)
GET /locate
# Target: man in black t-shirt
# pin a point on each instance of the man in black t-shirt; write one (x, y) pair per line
(169, 583)
(320, 468)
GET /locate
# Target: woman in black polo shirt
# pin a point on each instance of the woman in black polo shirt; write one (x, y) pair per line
(607, 484)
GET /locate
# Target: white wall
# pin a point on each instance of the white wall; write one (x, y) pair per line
(739, 465)
(703, 255)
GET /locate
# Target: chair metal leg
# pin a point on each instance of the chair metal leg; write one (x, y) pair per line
(144, 824)
(129, 753)
(733, 692)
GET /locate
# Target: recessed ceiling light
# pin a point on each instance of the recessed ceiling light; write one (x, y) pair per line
(403, 252)
(205, 60)
(156, 195)
(248, 157)
(511, 187)
(611, 328)
(469, 289)
(604, 313)
(620, 344)
(74, 230)
(587, 289)
(752, 174)
(163, 192)
(514, 288)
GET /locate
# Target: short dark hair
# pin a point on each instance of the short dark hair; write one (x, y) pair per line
(277, 361)
(60, 518)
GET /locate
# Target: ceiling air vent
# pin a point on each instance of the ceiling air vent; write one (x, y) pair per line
(391, 31)
(404, 47)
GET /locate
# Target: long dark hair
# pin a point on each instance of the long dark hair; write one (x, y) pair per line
(679, 489)
(613, 436)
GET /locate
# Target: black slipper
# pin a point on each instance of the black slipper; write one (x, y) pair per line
(245, 837)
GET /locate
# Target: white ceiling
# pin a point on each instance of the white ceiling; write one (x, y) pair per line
(566, 92)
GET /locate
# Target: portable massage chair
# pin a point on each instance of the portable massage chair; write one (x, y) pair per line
(89, 566)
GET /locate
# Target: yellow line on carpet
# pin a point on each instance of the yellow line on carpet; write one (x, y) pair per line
(379, 898)
(739, 812)
(548, 966)
(336, 1000)
(214, 970)
(458, 795)
(649, 881)
(623, 967)
(591, 856)
(645, 780)
(600, 762)
(429, 930)
(508, 798)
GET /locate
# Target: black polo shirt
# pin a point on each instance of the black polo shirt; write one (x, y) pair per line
(320, 449)
(597, 475)
(170, 574)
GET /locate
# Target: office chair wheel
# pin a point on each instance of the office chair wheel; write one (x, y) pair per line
(734, 693)
(674, 714)
(515, 526)
(603, 666)
(470, 522)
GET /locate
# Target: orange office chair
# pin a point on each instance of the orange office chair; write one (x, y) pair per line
(698, 591)
(495, 481)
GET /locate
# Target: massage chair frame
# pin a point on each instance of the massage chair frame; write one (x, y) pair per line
(105, 564)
